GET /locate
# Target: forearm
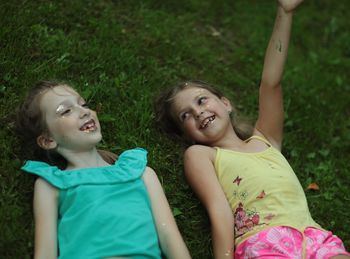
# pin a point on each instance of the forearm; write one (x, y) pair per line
(223, 238)
(277, 50)
(170, 239)
(172, 244)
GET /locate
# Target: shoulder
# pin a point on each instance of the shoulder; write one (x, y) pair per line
(199, 159)
(149, 173)
(200, 152)
(44, 188)
(151, 181)
(45, 200)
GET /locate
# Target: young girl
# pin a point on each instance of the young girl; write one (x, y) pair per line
(256, 205)
(91, 209)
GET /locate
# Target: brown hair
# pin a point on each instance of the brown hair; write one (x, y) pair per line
(167, 123)
(30, 124)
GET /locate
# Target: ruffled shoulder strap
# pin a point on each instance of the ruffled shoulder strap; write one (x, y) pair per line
(130, 166)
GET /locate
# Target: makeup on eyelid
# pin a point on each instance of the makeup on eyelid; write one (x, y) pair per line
(60, 108)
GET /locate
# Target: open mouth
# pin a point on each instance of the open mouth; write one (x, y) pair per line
(205, 123)
(88, 126)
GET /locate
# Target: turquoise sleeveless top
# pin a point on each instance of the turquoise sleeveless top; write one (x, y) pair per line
(105, 211)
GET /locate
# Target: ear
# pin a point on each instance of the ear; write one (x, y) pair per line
(46, 142)
(227, 103)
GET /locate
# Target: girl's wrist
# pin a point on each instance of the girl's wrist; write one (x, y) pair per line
(229, 253)
(282, 14)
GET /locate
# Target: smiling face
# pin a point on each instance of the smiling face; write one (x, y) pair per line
(71, 124)
(203, 117)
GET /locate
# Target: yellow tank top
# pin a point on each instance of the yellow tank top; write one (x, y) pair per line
(263, 191)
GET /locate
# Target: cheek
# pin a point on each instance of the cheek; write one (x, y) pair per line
(188, 126)
(58, 132)
(61, 128)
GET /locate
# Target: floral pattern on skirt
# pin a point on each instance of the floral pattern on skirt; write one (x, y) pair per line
(286, 242)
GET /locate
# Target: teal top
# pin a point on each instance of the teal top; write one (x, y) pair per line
(104, 211)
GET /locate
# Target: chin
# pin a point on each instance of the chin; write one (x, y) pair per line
(98, 139)
(93, 141)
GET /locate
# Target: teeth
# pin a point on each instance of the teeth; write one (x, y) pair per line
(207, 121)
(89, 126)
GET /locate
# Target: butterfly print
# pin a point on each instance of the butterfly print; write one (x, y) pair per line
(261, 195)
(237, 180)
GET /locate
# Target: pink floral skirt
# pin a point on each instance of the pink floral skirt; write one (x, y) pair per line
(286, 242)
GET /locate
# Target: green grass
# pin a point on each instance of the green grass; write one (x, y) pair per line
(120, 53)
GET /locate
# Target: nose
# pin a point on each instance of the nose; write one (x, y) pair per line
(198, 113)
(84, 111)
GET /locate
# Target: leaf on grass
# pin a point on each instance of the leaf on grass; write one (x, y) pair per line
(214, 32)
(313, 187)
(176, 212)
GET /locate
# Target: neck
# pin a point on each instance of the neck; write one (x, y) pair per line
(227, 140)
(230, 141)
(83, 159)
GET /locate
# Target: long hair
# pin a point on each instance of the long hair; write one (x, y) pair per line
(30, 124)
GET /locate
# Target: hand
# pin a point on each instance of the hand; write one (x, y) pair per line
(289, 5)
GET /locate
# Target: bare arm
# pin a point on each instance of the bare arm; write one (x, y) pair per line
(171, 241)
(45, 216)
(201, 176)
(270, 120)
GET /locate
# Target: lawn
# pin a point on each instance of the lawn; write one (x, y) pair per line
(119, 54)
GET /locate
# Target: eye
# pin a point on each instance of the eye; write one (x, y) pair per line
(85, 105)
(202, 100)
(66, 112)
(184, 116)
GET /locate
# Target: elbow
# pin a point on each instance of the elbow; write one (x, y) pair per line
(270, 84)
(271, 79)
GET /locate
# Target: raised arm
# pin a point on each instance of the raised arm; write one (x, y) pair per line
(201, 176)
(270, 120)
(170, 239)
(45, 216)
